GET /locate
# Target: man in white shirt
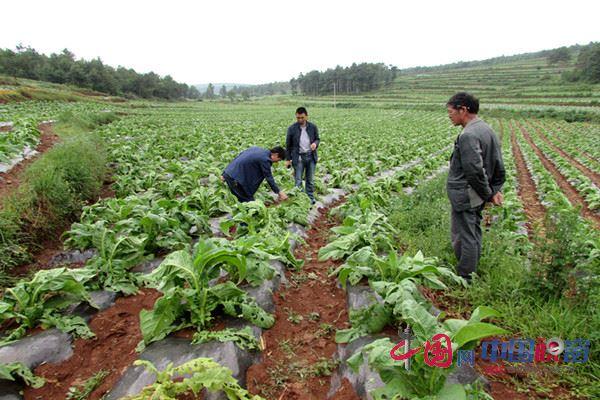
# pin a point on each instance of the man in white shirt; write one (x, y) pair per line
(302, 141)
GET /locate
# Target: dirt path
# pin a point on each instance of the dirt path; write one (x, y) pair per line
(297, 360)
(574, 197)
(533, 208)
(11, 179)
(595, 177)
(113, 350)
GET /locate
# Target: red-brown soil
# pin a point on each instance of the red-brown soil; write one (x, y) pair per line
(298, 339)
(521, 381)
(574, 197)
(534, 210)
(117, 334)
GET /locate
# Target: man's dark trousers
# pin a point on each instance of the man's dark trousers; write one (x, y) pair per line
(466, 239)
(237, 189)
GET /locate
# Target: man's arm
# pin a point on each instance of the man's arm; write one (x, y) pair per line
(265, 166)
(288, 144)
(317, 140)
(499, 173)
(472, 165)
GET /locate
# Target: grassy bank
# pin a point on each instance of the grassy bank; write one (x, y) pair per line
(20, 89)
(53, 190)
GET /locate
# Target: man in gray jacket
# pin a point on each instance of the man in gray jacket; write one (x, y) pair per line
(476, 176)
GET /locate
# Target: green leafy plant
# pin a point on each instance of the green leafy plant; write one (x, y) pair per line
(258, 250)
(188, 299)
(81, 392)
(198, 374)
(250, 218)
(42, 299)
(364, 263)
(243, 338)
(116, 256)
(18, 370)
(368, 229)
(295, 209)
(423, 381)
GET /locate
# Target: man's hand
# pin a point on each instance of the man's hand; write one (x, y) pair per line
(282, 196)
(222, 178)
(288, 163)
(313, 146)
(498, 199)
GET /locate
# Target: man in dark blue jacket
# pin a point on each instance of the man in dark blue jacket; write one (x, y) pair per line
(247, 171)
(302, 141)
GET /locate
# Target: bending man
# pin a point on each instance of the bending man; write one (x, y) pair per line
(247, 171)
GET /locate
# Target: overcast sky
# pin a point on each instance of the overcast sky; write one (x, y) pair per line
(256, 41)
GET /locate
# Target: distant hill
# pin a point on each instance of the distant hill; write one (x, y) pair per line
(524, 81)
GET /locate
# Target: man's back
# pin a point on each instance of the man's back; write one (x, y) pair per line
(250, 168)
(477, 160)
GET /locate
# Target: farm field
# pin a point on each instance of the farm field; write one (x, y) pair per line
(300, 302)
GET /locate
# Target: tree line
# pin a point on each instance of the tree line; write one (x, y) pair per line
(64, 68)
(357, 78)
(587, 66)
(246, 91)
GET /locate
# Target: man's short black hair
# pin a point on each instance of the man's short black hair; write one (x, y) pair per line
(464, 99)
(280, 151)
(301, 110)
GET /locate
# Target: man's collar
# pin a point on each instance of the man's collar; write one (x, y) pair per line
(472, 121)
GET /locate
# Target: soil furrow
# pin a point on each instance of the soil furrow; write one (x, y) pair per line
(298, 359)
(572, 194)
(527, 191)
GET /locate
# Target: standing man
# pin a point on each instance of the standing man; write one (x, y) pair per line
(247, 171)
(476, 176)
(302, 141)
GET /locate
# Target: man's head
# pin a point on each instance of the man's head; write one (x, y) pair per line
(301, 115)
(462, 107)
(277, 154)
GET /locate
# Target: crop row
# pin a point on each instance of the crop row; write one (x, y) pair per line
(548, 190)
(202, 144)
(583, 184)
(580, 141)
